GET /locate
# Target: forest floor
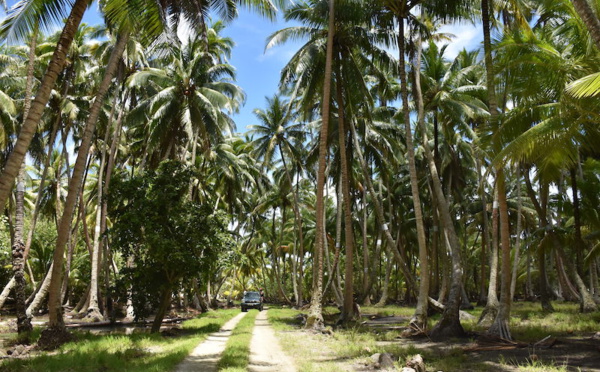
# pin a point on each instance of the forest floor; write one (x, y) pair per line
(560, 341)
(275, 340)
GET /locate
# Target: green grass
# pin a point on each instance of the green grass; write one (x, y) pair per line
(236, 356)
(132, 353)
(355, 344)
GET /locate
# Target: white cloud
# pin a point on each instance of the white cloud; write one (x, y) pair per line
(280, 54)
(466, 36)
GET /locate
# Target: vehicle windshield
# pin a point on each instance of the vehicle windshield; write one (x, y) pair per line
(252, 296)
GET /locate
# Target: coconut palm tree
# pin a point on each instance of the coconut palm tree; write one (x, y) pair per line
(208, 95)
(19, 23)
(277, 131)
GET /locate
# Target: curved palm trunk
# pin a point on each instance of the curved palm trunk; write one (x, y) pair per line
(419, 318)
(449, 324)
(20, 250)
(409, 277)
(55, 317)
(13, 164)
(18, 263)
(42, 291)
(589, 18)
(315, 319)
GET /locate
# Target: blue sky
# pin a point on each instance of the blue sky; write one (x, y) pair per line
(258, 70)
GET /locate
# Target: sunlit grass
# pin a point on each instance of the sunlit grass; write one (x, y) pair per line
(136, 352)
(356, 343)
(534, 365)
(236, 356)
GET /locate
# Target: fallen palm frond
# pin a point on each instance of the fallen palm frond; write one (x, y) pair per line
(486, 342)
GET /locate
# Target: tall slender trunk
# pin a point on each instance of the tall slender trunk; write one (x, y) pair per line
(419, 319)
(500, 327)
(491, 308)
(348, 309)
(18, 264)
(55, 317)
(71, 247)
(367, 272)
(513, 281)
(315, 319)
(579, 242)
(298, 221)
(19, 251)
(94, 309)
(109, 169)
(29, 127)
(409, 277)
(335, 277)
(386, 284)
(420, 315)
(541, 252)
(485, 231)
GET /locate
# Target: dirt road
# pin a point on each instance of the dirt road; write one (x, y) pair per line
(207, 354)
(265, 353)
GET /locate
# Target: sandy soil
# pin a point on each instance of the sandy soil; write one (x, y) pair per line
(206, 355)
(266, 354)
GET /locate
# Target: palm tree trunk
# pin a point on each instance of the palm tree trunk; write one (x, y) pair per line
(315, 318)
(55, 317)
(367, 272)
(409, 277)
(567, 289)
(419, 319)
(449, 325)
(93, 310)
(420, 315)
(386, 284)
(491, 308)
(23, 321)
(541, 257)
(348, 309)
(298, 221)
(513, 281)
(72, 243)
(579, 243)
(29, 127)
(589, 18)
(20, 251)
(6, 291)
(485, 231)
(500, 327)
(335, 276)
(35, 304)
